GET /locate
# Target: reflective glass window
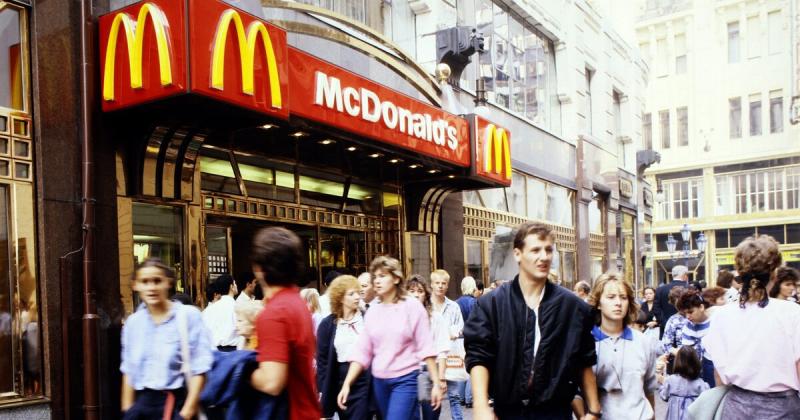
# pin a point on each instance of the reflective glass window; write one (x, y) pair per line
(475, 259)
(12, 56)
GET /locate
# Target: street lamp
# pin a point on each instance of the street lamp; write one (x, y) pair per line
(686, 236)
(671, 243)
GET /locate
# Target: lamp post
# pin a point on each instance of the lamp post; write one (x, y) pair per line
(686, 236)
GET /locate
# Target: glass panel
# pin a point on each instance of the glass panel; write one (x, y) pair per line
(22, 170)
(12, 53)
(683, 126)
(738, 235)
(494, 199)
(321, 192)
(776, 113)
(421, 255)
(664, 128)
(537, 199)
(733, 42)
(22, 149)
(21, 128)
(475, 259)
(735, 117)
(3, 123)
(755, 115)
(776, 231)
(721, 238)
(217, 247)
(596, 266)
(158, 232)
(647, 131)
(793, 233)
(363, 199)
(216, 173)
(776, 40)
(7, 323)
(559, 205)
(502, 265)
(472, 198)
(4, 146)
(595, 217)
(516, 194)
(568, 269)
(391, 204)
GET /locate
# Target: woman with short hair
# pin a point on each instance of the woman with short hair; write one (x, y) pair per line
(336, 337)
(396, 337)
(755, 344)
(625, 369)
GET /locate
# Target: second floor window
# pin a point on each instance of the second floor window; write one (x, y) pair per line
(682, 199)
(755, 115)
(663, 117)
(735, 117)
(759, 191)
(647, 131)
(683, 126)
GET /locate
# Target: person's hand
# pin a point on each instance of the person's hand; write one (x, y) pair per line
(652, 324)
(673, 351)
(188, 412)
(588, 416)
(343, 394)
(436, 397)
(482, 412)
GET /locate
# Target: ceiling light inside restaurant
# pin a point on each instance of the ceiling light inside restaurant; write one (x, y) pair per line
(395, 160)
(298, 134)
(351, 149)
(268, 126)
(433, 171)
(375, 155)
(327, 141)
(414, 166)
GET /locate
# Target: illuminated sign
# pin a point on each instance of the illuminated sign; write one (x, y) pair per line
(334, 96)
(141, 53)
(492, 149)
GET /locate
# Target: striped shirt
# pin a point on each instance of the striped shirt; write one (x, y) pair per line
(693, 336)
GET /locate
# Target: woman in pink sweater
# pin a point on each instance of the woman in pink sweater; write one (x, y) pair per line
(396, 337)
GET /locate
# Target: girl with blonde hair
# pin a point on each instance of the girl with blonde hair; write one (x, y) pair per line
(311, 296)
(625, 369)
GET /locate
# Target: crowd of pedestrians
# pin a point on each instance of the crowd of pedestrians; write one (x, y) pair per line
(388, 346)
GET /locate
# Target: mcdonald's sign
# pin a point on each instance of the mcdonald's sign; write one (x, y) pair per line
(141, 53)
(492, 151)
(238, 58)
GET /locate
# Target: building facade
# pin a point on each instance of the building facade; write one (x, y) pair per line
(103, 165)
(718, 110)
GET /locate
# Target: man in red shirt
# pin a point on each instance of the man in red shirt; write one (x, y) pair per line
(286, 341)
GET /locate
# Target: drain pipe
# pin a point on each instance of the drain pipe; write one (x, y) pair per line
(91, 404)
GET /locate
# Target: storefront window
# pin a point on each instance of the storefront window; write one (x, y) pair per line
(216, 172)
(516, 194)
(12, 56)
(475, 259)
(217, 251)
(568, 269)
(321, 192)
(494, 199)
(421, 258)
(537, 199)
(596, 267)
(363, 199)
(158, 233)
(595, 217)
(502, 265)
(559, 205)
(472, 198)
(391, 204)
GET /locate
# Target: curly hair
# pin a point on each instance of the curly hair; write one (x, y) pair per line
(337, 291)
(711, 295)
(390, 266)
(675, 294)
(756, 258)
(691, 299)
(597, 291)
(417, 281)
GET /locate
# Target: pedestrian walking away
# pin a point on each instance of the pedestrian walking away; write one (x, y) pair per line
(395, 339)
(220, 314)
(450, 313)
(755, 343)
(625, 369)
(153, 360)
(681, 388)
(529, 343)
(286, 343)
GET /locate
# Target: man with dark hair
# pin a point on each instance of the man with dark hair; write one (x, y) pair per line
(220, 317)
(728, 281)
(284, 329)
(247, 284)
(529, 343)
(680, 278)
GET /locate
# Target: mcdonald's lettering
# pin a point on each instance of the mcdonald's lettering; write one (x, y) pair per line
(134, 39)
(247, 42)
(497, 152)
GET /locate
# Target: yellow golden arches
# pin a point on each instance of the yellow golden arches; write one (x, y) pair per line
(497, 151)
(134, 37)
(247, 52)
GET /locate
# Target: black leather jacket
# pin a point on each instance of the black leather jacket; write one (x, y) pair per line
(495, 337)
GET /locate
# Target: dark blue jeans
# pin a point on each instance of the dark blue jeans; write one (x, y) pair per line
(151, 404)
(396, 397)
(708, 372)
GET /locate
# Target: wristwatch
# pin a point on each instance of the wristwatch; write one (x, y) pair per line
(596, 414)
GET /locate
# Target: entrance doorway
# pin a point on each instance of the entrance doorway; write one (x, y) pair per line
(229, 242)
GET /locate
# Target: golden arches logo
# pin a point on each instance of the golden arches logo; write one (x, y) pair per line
(247, 52)
(134, 37)
(497, 151)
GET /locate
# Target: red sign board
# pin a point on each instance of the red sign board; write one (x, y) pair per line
(142, 53)
(492, 148)
(238, 58)
(323, 92)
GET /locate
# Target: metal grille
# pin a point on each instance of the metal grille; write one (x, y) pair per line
(480, 223)
(597, 244)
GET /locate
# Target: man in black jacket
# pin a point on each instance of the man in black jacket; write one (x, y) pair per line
(529, 343)
(661, 304)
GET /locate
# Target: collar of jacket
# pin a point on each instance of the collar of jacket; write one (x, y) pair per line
(516, 290)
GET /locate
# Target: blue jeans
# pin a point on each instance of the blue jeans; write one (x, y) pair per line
(454, 396)
(396, 397)
(465, 391)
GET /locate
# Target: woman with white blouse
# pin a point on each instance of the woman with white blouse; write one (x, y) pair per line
(625, 369)
(755, 342)
(336, 336)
